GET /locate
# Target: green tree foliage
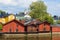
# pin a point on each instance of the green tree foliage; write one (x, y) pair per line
(2, 12)
(58, 21)
(0, 26)
(38, 10)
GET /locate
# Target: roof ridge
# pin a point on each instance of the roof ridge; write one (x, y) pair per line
(11, 21)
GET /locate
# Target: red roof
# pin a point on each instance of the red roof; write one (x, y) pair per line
(14, 21)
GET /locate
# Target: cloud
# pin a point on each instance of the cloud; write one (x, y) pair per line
(8, 2)
(53, 7)
(17, 2)
(33, 0)
(15, 5)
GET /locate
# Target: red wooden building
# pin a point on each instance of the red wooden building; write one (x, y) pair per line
(13, 26)
(56, 28)
(44, 26)
(33, 26)
(37, 26)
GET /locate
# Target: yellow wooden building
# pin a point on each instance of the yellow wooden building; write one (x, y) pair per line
(7, 19)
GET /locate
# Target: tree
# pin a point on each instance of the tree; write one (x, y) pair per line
(58, 21)
(0, 26)
(2, 12)
(38, 10)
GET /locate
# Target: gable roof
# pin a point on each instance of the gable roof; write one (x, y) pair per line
(35, 22)
(32, 22)
(14, 20)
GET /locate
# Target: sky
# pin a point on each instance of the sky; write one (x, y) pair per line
(15, 6)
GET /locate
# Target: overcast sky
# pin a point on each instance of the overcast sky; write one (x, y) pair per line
(14, 6)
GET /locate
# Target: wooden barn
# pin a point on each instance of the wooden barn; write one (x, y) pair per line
(37, 26)
(31, 26)
(56, 28)
(13, 26)
(44, 27)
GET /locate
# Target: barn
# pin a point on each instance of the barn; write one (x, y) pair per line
(16, 26)
(31, 26)
(13, 26)
(37, 26)
(44, 27)
(56, 28)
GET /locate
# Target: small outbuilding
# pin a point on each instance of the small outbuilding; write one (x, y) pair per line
(13, 26)
(44, 27)
(56, 28)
